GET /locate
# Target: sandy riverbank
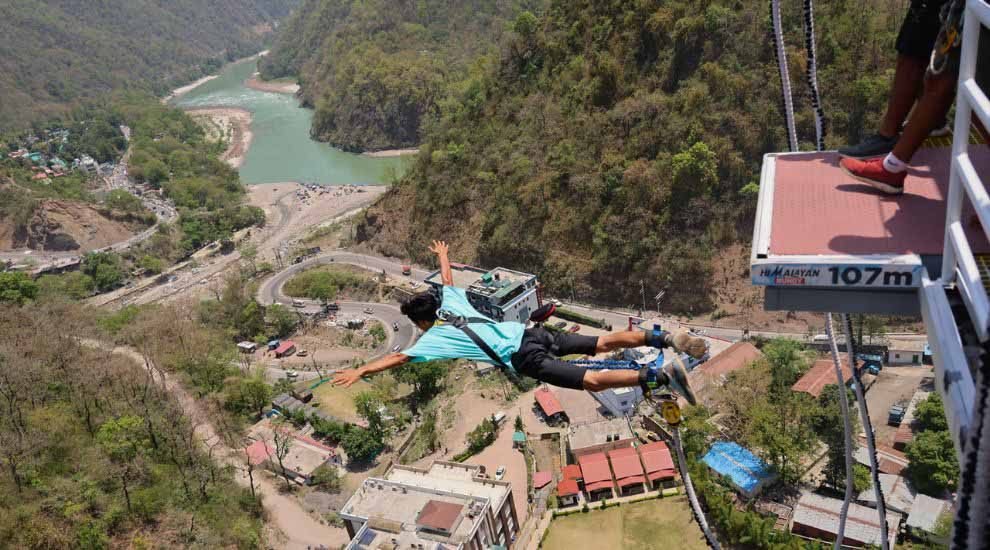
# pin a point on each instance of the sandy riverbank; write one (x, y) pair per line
(392, 152)
(255, 83)
(231, 124)
(187, 88)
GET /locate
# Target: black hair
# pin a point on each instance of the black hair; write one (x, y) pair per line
(421, 307)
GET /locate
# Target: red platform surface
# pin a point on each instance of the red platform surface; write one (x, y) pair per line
(819, 210)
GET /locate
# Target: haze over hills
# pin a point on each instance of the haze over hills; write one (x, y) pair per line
(55, 54)
(374, 70)
(613, 142)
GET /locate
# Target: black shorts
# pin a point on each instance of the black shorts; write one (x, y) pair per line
(539, 356)
(920, 29)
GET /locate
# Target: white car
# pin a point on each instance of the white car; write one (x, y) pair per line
(500, 473)
(396, 348)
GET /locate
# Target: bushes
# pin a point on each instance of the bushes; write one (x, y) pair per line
(325, 283)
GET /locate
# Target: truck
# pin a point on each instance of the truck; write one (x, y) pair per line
(896, 415)
(406, 269)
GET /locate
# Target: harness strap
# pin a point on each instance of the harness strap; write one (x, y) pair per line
(461, 323)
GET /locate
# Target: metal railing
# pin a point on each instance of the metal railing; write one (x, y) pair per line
(959, 267)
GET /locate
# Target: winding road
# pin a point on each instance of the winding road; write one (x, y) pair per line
(270, 292)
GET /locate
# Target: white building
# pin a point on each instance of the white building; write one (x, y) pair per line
(502, 294)
(448, 506)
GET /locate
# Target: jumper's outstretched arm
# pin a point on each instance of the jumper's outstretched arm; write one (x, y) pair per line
(441, 249)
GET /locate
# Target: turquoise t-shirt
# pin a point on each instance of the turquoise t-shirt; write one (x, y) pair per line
(448, 342)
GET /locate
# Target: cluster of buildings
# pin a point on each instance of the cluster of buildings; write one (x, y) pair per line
(448, 506)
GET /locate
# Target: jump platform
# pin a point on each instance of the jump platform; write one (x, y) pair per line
(824, 241)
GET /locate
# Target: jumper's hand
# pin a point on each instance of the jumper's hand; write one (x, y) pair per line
(440, 248)
(347, 378)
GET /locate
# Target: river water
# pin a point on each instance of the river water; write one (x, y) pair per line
(282, 149)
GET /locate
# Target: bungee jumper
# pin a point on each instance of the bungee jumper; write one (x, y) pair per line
(454, 329)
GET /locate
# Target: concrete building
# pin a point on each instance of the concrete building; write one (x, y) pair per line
(619, 401)
(905, 352)
(817, 517)
(502, 294)
(285, 348)
(569, 488)
(600, 437)
(446, 506)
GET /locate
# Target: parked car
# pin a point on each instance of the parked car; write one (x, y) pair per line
(368, 311)
(302, 353)
(298, 303)
(560, 324)
(396, 348)
(291, 374)
(500, 473)
(574, 328)
(395, 327)
(556, 302)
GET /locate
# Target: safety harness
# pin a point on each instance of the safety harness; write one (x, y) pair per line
(461, 323)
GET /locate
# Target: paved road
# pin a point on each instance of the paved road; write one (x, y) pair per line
(270, 292)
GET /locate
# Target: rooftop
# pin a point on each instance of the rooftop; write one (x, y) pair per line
(464, 275)
(594, 468)
(599, 433)
(925, 512)
(548, 401)
(657, 460)
(625, 464)
(862, 525)
(714, 371)
(745, 469)
(571, 471)
(821, 374)
(440, 515)
(567, 487)
(896, 493)
(891, 461)
(387, 536)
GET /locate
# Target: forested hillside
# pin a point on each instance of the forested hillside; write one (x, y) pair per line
(55, 54)
(613, 141)
(373, 70)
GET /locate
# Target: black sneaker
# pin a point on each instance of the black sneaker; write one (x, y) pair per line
(677, 380)
(873, 146)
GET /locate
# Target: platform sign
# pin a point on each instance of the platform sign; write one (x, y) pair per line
(838, 275)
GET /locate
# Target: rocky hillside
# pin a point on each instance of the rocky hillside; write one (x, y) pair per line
(614, 142)
(55, 54)
(374, 70)
(63, 225)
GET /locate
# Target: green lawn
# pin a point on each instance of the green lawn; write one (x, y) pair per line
(661, 524)
(338, 401)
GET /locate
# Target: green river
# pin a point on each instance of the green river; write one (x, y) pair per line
(282, 149)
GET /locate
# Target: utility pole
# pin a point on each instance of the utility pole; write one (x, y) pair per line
(642, 294)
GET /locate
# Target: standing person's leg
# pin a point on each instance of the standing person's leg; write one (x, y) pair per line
(940, 91)
(914, 46)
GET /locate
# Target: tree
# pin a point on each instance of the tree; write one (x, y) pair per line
(930, 414)
(249, 253)
(788, 361)
(282, 440)
(519, 423)
(281, 320)
(124, 441)
(327, 478)
(828, 424)
(17, 287)
(105, 269)
(934, 468)
(248, 395)
(369, 407)
(73, 285)
(361, 445)
(426, 379)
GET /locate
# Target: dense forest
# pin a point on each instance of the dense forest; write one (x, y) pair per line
(56, 54)
(611, 142)
(373, 70)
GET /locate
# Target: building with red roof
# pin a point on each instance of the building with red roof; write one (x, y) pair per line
(821, 375)
(712, 374)
(597, 476)
(286, 347)
(549, 405)
(541, 479)
(571, 471)
(658, 463)
(629, 475)
(568, 493)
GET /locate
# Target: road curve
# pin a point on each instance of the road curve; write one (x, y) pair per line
(270, 292)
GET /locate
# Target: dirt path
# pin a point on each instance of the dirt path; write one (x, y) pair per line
(298, 530)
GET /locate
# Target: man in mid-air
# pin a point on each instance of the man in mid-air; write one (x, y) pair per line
(453, 329)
